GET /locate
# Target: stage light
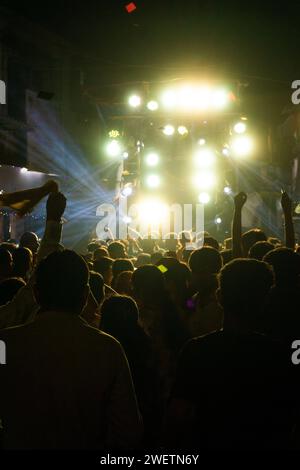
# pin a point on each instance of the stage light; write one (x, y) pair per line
(205, 158)
(219, 99)
(152, 159)
(153, 181)
(227, 190)
(127, 219)
(182, 130)
(169, 99)
(114, 133)
(205, 180)
(202, 98)
(218, 220)
(242, 146)
(204, 198)
(125, 155)
(152, 211)
(225, 151)
(152, 105)
(24, 170)
(201, 141)
(239, 127)
(134, 101)
(127, 190)
(113, 148)
(168, 129)
(186, 97)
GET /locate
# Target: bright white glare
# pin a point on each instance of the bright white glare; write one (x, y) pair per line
(239, 127)
(204, 198)
(152, 211)
(219, 99)
(202, 98)
(205, 180)
(242, 146)
(152, 105)
(205, 158)
(134, 101)
(153, 181)
(227, 190)
(169, 99)
(218, 220)
(152, 159)
(24, 170)
(127, 191)
(182, 130)
(201, 141)
(125, 155)
(225, 151)
(127, 219)
(168, 130)
(113, 148)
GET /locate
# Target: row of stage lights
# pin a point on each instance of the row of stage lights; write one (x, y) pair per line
(186, 98)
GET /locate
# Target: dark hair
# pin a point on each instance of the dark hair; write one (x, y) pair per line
(260, 249)
(102, 265)
(92, 246)
(100, 252)
(244, 286)
(118, 312)
(29, 240)
(226, 256)
(61, 280)
(5, 262)
(211, 241)
(148, 283)
(205, 260)
(9, 288)
(97, 286)
(116, 250)
(252, 236)
(286, 265)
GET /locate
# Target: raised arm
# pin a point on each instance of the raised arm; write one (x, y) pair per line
(237, 248)
(289, 232)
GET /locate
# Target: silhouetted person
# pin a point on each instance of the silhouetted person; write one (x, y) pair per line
(22, 263)
(6, 264)
(30, 240)
(260, 249)
(9, 288)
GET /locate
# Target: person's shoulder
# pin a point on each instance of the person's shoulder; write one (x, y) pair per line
(204, 341)
(99, 337)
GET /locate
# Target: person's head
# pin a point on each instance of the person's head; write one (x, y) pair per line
(97, 286)
(9, 246)
(260, 249)
(6, 263)
(123, 283)
(156, 256)
(148, 285)
(252, 236)
(62, 282)
(118, 315)
(205, 264)
(120, 265)
(142, 259)
(244, 286)
(30, 240)
(100, 252)
(92, 246)
(178, 279)
(22, 262)
(226, 256)
(117, 250)
(211, 241)
(9, 288)
(103, 266)
(286, 265)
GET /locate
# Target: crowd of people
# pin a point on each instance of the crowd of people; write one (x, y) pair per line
(131, 346)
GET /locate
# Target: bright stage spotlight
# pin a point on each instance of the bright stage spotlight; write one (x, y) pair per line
(113, 148)
(153, 181)
(219, 99)
(168, 129)
(152, 105)
(201, 141)
(205, 157)
(169, 99)
(218, 220)
(152, 159)
(127, 190)
(134, 101)
(204, 198)
(182, 130)
(205, 180)
(225, 151)
(152, 211)
(227, 190)
(125, 155)
(242, 146)
(24, 170)
(239, 127)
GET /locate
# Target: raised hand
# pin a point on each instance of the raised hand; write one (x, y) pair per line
(286, 202)
(240, 199)
(56, 205)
